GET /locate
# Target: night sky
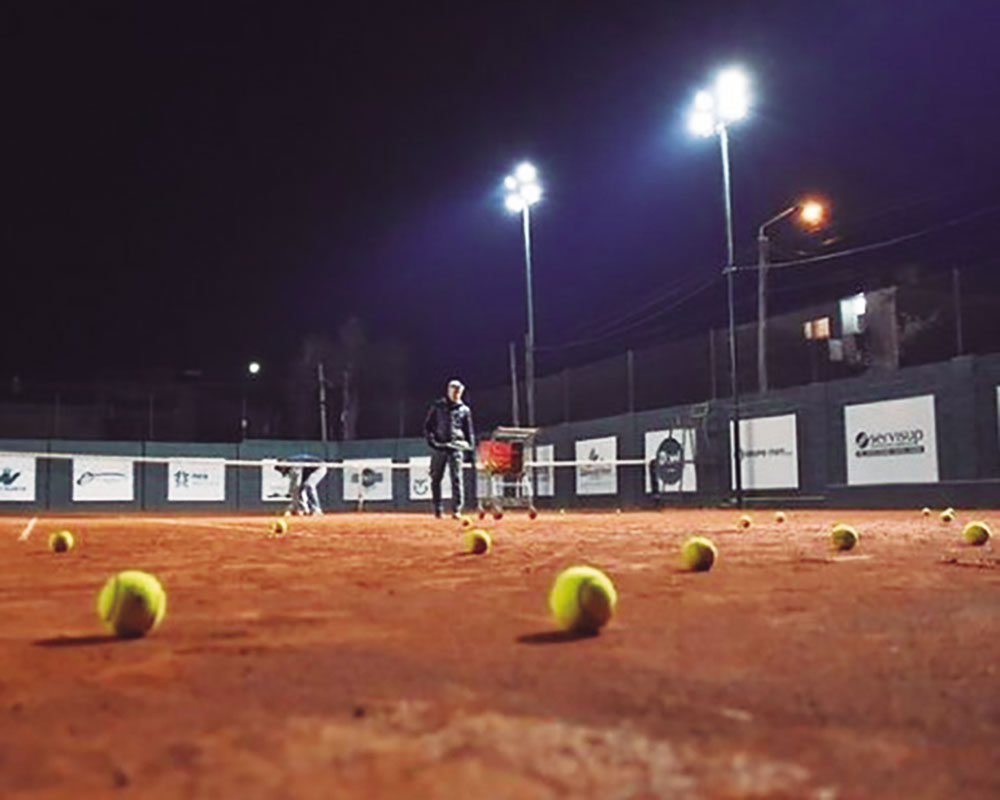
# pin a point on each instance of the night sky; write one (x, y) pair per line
(192, 187)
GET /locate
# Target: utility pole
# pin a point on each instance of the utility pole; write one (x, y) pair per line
(514, 404)
(321, 380)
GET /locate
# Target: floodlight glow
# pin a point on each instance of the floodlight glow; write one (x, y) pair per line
(703, 101)
(701, 123)
(812, 213)
(732, 94)
(253, 368)
(510, 183)
(526, 173)
(514, 203)
(531, 193)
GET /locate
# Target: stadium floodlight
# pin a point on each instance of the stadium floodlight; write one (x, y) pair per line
(812, 214)
(713, 110)
(523, 191)
(253, 367)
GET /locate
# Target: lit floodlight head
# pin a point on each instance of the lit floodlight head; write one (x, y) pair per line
(514, 203)
(701, 123)
(732, 95)
(703, 101)
(531, 193)
(526, 173)
(811, 213)
(510, 183)
(253, 367)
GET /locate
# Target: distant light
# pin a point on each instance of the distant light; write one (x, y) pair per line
(526, 173)
(514, 203)
(732, 94)
(812, 213)
(531, 193)
(510, 183)
(701, 123)
(253, 368)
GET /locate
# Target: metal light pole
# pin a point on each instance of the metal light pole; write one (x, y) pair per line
(253, 368)
(811, 213)
(523, 191)
(713, 111)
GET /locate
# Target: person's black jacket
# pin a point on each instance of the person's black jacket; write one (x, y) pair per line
(449, 426)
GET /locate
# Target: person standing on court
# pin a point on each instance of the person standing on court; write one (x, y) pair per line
(448, 430)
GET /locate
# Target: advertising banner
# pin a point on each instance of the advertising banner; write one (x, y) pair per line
(273, 485)
(770, 457)
(670, 461)
(368, 479)
(17, 478)
(103, 478)
(420, 479)
(545, 477)
(196, 480)
(599, 475)
(892, 441)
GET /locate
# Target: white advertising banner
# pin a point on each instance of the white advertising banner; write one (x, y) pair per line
(196, 479)
(17, 478)
(670, 460)
(892, 441)
(273, 485)
(420, 479)
(770, 455)
(599, 475)
(102, 478)
(368, 479)
(545, 477)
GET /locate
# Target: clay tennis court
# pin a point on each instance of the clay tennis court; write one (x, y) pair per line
(363, 656)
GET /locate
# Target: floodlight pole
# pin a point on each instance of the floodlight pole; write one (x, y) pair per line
(763, 261)
(730, 271)
(529, 351)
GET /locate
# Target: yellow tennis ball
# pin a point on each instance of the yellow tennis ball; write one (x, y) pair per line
(948, 515)
(131, 603)
(582, 599)
(466, 522)
(280, 527)
(780, 516)
(698, 554)
(477, 542)
(977, 533)
(744, 522)
(61, 541)
(926, 511)
(843, 537)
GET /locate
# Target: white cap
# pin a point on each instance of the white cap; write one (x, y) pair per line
(454, 383)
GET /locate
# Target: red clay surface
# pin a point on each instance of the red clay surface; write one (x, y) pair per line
(362, 656)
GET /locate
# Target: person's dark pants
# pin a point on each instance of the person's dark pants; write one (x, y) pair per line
(453, 460)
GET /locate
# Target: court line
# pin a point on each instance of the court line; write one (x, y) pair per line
(27, 531)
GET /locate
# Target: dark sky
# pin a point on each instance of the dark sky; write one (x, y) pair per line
(192, 187)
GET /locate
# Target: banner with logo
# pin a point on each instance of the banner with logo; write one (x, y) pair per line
(17, 478)
(420, 479)
(101, 478)
(892, 441)
(196, 480)
(273, 485)
(368, 479)
(770, 457)
(670, 457)
(599, 475)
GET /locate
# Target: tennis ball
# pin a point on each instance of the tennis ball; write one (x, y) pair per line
(582, 599)
(780, 516)
(698, 554)
(466, 522)
(843, 537)
(977, 533)
(61, 541)
(926, 512)
(280, 527)
(131, 603)
(532, 514)
(948, 515)
(562, 510)
(498, 514)
(477, 542)
(744, 522)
